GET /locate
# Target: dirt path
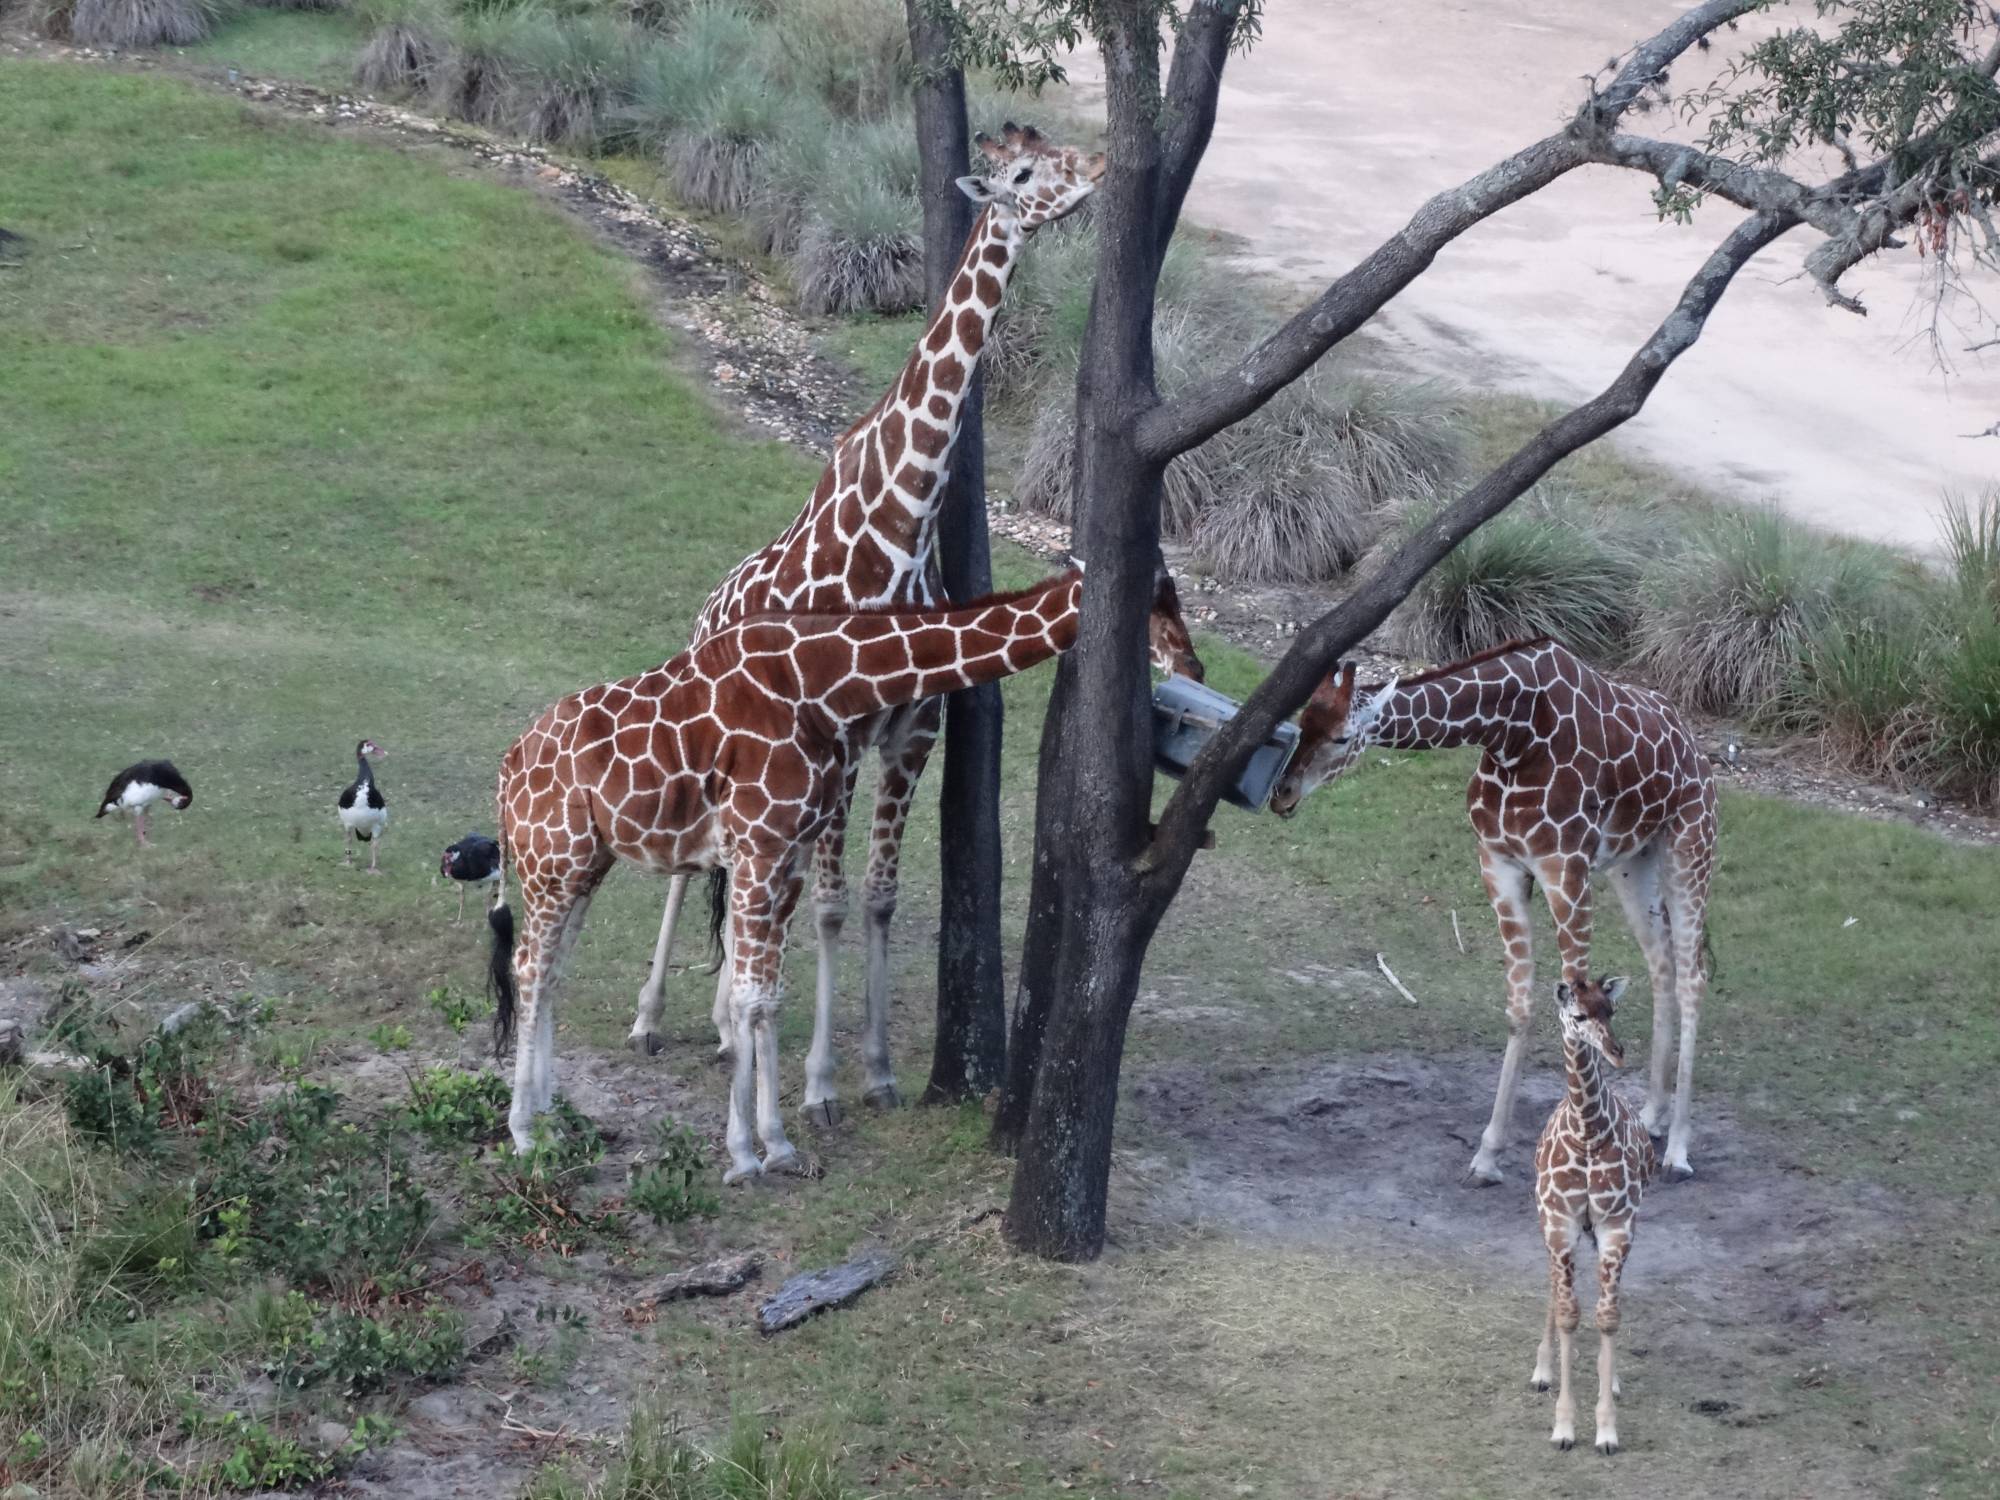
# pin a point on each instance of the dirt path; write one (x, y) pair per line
(1346, 117)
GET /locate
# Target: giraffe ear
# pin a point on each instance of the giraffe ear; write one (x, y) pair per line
(1564, 994)
(978, 189)
(1614, 990)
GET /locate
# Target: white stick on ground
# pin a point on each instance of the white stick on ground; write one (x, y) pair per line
(1454, 930)
(1390, 974)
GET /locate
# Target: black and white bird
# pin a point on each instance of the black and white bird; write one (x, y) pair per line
(137, 788)
(473, 860)
(363, 813)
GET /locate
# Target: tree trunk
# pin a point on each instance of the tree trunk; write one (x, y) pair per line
(1103, 736)
(971, 1048)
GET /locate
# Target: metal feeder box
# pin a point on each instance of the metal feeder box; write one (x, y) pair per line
(1186, 716)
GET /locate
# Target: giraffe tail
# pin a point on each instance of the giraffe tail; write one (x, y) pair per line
(500, 976)
(718, 916)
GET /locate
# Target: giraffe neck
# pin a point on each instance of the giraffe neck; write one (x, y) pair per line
(1588, 1095)
(922, 413)
(1480, 705)
(906, 656)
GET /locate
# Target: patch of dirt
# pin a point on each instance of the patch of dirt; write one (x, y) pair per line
(1370, 1154)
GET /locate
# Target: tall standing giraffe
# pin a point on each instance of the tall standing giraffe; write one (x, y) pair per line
(735, 755)
(864, 540)
(1591, 1169)
(1579, 773)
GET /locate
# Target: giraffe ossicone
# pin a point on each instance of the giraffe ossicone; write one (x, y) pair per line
(865, 539)
(1579, 774)
(736, 754)
(1592, 1165)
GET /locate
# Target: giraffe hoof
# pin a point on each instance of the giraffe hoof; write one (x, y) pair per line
(742, 1172)
(1607, 1443)
(1679, 1171)
(1538, 1381)
(822, 1114)
(645, 1043)
(1483, 1174)
(726, 1056)
(786, 1160)
(1563, 1440)
(884, 1097)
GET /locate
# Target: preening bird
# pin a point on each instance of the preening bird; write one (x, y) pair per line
(137, 788)
(473, 860)
(363, 813)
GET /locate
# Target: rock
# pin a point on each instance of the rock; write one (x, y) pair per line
(13, 1041)
(814, 1291)
(715, 1278)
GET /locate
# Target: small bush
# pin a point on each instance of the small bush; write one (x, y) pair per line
(451, 1105)
(405, 49)
(1548, 565)
(673, 1186)
(1731, 617)
(853, 54)
(862, 251)
(567, 75)
(128, 23)
(653, 1465)
(478, 77)
(322, 5)
(361, 1354)
(1861, 685)
(713, 157)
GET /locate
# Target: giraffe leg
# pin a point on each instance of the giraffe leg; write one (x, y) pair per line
(720, 1012)
(764, 890)
(1562, 1297)
(1613, 1242)
(544, 908)
(821, 1105)
(545, 1020)
(1687, 905)
(903, 761)
(1543, 1375)
(645, 1034)
(1641, 891)
(1507, 888)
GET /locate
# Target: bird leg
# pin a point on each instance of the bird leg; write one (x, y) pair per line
(461, 904)
(374, 853)
(139, 827)
(347, 848)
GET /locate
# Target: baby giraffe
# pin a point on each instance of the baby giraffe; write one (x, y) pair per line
(1591, 1167)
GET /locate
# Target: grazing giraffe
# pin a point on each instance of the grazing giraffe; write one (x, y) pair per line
(1591, 1169)
(1579, 773)
(864, 540)
(734, 755)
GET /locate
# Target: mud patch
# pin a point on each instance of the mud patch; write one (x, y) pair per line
(1369, 1155)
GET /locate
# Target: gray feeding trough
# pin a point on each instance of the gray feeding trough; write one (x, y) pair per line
(1186, 716)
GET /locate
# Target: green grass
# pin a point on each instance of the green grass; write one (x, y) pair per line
(317, 47)
(308, 441)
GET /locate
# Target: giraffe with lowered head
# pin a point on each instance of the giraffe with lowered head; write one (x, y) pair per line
(736, 756)
(1591, 1169)
(1579, 774)
(864, 540)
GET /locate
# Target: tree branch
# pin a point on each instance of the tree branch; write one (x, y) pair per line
(1196, 415)
(1194, 83)
(1322, 643)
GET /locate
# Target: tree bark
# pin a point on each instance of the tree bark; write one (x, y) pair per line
(970, 1052)
(1103, 736)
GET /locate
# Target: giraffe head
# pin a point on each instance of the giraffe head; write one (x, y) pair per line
(1031, 180)
(1333, 731)
(1168, 643)
(1584, 1011)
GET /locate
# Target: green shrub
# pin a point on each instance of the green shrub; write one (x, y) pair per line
(713, 157)
(451, 1105)
(1731, 616)
(1861, 688)
(1548, 565)
(861, 251)
(127, 23)
(405, 49)
(673, 1186)
(478, 80)
(324, 1204)
(361, 1355)
(853, 54)
(458, 1010)
(566, 76)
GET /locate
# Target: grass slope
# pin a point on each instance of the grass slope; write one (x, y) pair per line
(308, 441)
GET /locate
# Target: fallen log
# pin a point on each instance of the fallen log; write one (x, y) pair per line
(814, 1291)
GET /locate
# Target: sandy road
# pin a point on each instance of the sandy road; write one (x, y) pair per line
(1350, 113)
